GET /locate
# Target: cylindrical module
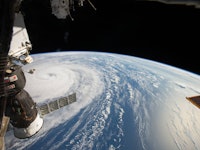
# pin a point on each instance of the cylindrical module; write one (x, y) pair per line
(24, 115)
(21, 108)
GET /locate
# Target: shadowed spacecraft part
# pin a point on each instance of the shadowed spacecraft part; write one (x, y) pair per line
(195, 3)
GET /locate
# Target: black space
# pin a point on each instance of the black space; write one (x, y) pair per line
(152, 30)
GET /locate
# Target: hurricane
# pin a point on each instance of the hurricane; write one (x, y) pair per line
(123, 102)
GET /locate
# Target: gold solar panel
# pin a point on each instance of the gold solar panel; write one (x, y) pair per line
(194, 100)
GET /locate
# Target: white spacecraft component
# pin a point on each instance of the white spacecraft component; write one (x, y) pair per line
(20, 45)
(61, 8)
(29, 131)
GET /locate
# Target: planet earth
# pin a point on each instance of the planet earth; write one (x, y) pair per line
(123, 103)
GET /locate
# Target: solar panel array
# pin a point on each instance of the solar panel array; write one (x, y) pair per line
(57, 104)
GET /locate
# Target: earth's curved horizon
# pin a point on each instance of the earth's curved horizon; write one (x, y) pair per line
(123, 102)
